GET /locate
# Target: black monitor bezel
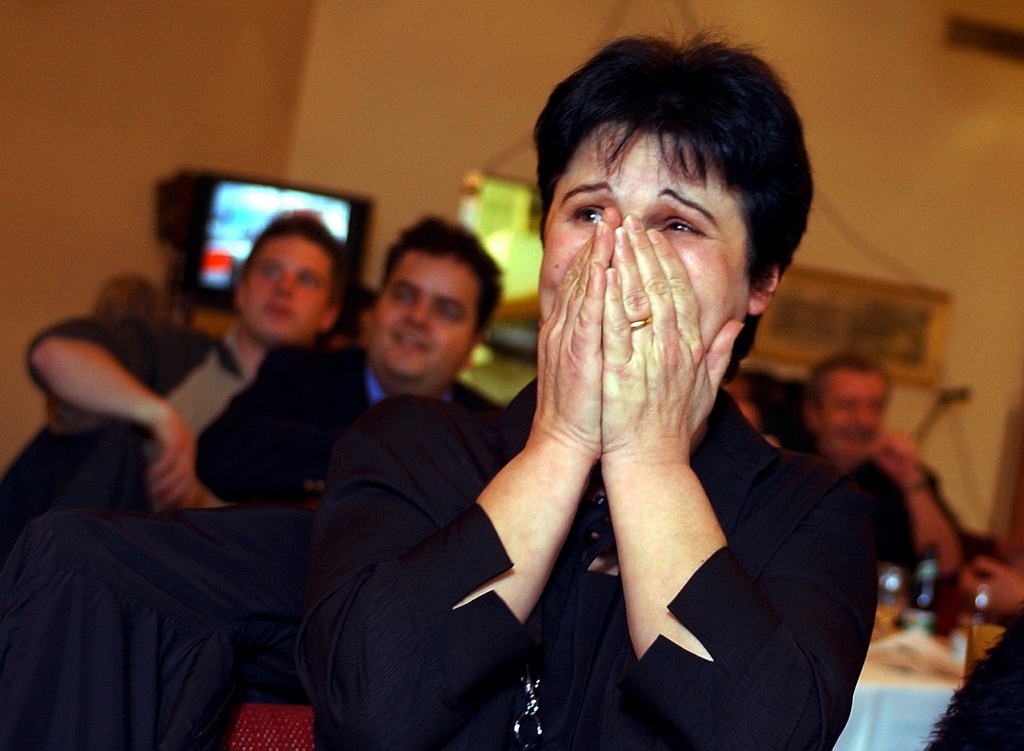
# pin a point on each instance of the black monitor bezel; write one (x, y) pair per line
(202, 204)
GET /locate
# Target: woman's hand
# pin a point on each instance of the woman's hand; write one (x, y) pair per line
(660, 380)
(659, 384)
(569, 370)
(532, 501)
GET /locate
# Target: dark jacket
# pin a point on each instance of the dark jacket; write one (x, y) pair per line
(785, 610)
(274, 440)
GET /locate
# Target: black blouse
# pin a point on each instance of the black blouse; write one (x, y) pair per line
(785, 610)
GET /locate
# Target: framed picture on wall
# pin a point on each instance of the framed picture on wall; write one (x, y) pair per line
(817, 313)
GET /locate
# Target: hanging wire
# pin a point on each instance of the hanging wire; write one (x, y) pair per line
(962, 450)
(614, 19)
(691, 21)
(862, 244)
(609, 31)
(514, 149)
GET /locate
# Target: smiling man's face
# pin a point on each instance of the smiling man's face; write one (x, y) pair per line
(847, 422)
(424, 324)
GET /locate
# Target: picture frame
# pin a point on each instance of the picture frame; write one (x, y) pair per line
(816, 313)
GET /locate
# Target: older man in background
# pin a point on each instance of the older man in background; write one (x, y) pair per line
(844, 410)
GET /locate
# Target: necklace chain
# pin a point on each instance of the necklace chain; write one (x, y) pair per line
(527, 729)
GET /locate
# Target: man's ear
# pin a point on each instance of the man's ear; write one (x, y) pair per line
(237, 293)
(477, 341)
(762, 290)
(329, 317)
(811, 420)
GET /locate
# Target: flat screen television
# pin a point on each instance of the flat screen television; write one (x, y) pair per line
(215, 217)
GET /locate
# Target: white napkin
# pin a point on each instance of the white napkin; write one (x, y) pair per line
(916, 652)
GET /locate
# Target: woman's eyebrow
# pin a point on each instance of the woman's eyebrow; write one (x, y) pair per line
(585, 188)
(691, 203)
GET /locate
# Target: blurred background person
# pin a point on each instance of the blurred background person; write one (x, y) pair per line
(155, 385)
(122, 297)
(353, 320)
(130, 296)
(1003, 585)
(274, 440)
(773, 406)
(844, 411)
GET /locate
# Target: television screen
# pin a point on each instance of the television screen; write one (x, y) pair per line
(227, 213)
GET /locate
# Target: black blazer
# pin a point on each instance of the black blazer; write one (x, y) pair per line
(273, 442)
(785, 609)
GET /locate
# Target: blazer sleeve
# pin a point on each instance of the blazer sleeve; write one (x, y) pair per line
(787, 641)
(398, 542)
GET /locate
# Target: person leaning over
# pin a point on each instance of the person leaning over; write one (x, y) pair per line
(153, 386)
(620, 561)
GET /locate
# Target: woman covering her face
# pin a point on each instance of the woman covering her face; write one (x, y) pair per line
(620, 561)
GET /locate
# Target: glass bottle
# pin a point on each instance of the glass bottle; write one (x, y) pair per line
(921, 612)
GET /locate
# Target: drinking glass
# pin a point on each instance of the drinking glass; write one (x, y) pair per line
(893, 596)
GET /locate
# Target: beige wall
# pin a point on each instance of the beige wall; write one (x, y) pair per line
(98, 101)
(919, 147)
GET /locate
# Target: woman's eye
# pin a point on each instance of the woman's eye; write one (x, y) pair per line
(588, 214)
(677, 225)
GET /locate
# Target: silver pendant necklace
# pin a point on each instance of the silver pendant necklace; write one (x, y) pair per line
(527, 729)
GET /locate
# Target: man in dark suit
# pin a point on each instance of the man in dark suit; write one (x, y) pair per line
(274, 440)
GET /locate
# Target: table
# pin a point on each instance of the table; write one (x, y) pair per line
(895, 708)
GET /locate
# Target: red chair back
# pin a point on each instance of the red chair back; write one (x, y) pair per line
(269, 727)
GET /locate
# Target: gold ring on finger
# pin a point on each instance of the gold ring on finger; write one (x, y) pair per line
(637, 325)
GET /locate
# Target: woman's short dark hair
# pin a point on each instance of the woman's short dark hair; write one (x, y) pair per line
(436, 237)
(716, 108)
(309, 226)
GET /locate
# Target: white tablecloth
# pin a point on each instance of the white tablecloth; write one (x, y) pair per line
(894, 709)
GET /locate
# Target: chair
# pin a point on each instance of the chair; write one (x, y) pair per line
(269, 727)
